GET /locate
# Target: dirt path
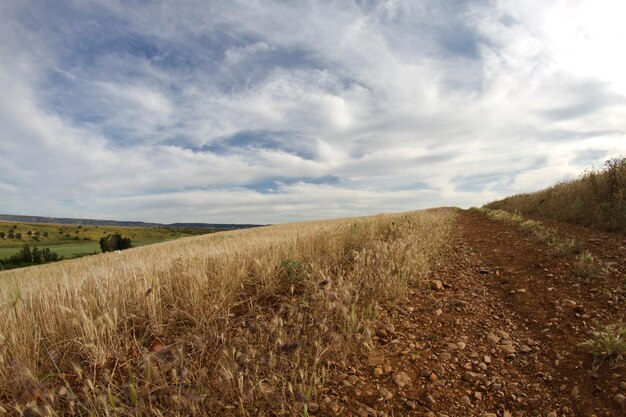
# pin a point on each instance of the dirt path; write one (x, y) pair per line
(496, 330)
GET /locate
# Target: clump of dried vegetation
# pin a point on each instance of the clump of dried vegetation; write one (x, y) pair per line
(597, 198)
(558, 245)
(237, 323)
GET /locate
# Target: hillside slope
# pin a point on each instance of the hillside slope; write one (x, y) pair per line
(597, 198)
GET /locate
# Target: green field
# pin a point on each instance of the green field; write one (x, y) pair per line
(70, 241)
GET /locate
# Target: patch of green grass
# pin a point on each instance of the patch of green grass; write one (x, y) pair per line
(71, 241)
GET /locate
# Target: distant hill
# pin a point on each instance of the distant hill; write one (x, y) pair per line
(95, 222)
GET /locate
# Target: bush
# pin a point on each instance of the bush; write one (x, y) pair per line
(110, 243)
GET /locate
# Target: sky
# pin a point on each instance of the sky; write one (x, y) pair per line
(275, 111)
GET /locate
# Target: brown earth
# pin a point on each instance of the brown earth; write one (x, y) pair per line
(495, 330)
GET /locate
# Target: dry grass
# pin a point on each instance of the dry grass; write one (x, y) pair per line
(558, 245)
(597, 198)
(235, 323)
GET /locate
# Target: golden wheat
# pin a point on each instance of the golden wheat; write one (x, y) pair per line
(235, 323)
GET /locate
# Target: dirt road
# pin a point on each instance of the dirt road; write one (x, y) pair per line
(494, 332)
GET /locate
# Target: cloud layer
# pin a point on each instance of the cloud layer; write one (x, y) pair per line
(273, 111)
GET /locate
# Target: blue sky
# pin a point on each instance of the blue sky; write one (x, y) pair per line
(275, 111)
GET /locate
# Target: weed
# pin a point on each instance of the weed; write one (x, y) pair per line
(294, 270)
(586, 266)
(607, 345)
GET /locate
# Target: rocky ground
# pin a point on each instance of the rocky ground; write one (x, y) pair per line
(495, 332)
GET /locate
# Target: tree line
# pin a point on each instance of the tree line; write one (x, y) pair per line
(30, 256)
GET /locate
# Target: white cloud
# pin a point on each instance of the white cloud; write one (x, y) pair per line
(182, 112)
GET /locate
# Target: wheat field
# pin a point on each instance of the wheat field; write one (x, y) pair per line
(235, 323)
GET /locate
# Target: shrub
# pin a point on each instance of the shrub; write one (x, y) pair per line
(110, 243)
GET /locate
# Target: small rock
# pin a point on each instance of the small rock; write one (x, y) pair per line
(376, 358)
(622, 385)
(525, 349)
(380, 332)
(552, 414)
(378, 371)
(502, 334)
(492, 338)
(568, 303)
(410, 404)
(385, 394)
(438, 312)
(460, 345)
(430, 400)
(575, 391)
(620, 399)
(401, 379)
(509, 349)
(445, 356)
(487, 359)
(465, 400)
(489, 415)
(478, 396)
(469, 376)
(387, 369)
(436, 285)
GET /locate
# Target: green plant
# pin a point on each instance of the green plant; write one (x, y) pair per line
(607, 345)
(114, 242)
(586, 266)
(294, 270)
